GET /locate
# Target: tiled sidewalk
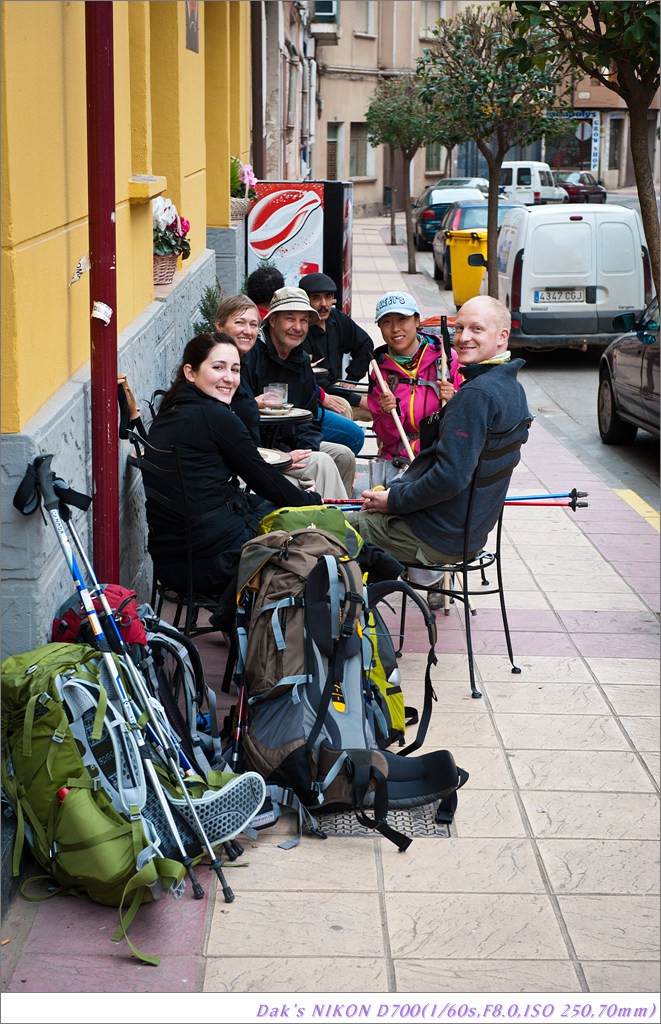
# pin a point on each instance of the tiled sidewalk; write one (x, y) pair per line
(549, 882)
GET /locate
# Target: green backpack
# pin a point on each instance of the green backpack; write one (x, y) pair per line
(63, 811)
(309, 517)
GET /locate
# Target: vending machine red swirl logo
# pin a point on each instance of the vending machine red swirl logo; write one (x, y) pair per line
(286, 225)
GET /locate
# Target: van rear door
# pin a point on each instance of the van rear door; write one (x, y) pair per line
(558, 292)
(620, 276)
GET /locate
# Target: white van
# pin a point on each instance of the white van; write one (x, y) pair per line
(564, 272)
(530, 182)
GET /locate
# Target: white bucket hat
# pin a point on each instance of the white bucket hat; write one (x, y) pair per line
(396, 302)
(292, 299)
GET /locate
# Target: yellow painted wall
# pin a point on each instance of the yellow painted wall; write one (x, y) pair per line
(161, 125)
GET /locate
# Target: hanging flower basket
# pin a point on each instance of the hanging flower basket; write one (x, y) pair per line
(164, 268)
(239, 207)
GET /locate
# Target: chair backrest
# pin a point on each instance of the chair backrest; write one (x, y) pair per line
(500, 456)
(165, 493)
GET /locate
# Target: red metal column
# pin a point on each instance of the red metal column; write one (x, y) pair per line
(103, 286)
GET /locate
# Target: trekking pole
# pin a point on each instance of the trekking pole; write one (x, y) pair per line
(45, 478)
(232, 848)
(159, 735)
(533, 497)
(395, 415)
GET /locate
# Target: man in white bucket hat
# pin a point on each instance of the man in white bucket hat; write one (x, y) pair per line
(278, 357)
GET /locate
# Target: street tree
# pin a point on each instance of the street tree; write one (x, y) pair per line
(617, 44)
(399, 118)
(487, 98)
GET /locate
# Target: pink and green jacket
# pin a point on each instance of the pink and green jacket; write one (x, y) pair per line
(415, 388)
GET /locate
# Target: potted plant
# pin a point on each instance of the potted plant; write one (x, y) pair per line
(169, 239)
(242, 192)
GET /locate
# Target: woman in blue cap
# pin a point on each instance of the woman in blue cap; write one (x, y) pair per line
(412, 367)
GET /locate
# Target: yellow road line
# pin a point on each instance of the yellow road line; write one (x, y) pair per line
(641, 507)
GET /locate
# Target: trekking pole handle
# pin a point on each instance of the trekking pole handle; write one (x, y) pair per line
(67, 495)
(45, 479)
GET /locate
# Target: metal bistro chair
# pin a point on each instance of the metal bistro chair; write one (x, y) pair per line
(162, 477)
(499, 446)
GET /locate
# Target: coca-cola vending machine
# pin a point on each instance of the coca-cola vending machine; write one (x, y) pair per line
(303, 227)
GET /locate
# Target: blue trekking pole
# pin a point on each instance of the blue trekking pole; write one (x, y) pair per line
(45, 481)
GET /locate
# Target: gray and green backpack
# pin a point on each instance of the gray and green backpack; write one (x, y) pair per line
(321, 686)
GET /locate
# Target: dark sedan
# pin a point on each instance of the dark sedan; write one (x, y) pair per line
(580, 186)
(464, 215)
(629, 378)
(429, 208)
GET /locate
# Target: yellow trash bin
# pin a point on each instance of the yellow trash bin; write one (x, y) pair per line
(466, 280)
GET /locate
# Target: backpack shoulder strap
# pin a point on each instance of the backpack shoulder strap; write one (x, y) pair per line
(377, 592)
(339, 638)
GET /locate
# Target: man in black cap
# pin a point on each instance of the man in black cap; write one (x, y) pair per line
(335, 336)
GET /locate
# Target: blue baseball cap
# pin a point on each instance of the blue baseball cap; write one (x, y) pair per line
(396, 302)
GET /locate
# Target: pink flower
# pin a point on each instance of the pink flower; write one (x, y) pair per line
(247, 176)
(185, 225)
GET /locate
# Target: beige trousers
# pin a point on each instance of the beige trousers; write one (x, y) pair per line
(324, 473)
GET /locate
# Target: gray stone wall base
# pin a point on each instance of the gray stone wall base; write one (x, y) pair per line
(35, 577)
(229, 244)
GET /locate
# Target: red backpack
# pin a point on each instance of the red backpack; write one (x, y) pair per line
(71, 618)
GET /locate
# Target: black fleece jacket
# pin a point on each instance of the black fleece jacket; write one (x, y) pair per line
(343, 336)
(262, 366)
(215, 449)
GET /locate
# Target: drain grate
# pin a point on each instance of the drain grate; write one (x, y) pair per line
(415, 822)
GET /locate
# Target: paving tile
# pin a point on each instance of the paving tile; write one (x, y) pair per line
(252, 926)
(651, 761)
(542, 669)
(624, 866)
(578, 815)
(454, 728)
(635, 699)
(545, 698)
(473, 926)
(164, 928)
(432, 975)
(297, 974)
(626, 976)
(100, 973)
(608, 771)
(608, 622)
(470, 865)
(267, 867)
(612, 927)
(487, 766)
(560, 732)
(526, 643)
(643, 732)
(610, 645)
(641, 671)
(604, 581)
(487, 813)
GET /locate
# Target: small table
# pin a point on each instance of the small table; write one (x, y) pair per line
(271, 422)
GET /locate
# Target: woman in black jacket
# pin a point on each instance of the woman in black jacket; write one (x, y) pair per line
(214, 449)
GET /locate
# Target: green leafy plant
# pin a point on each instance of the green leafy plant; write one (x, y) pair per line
(209, 302)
